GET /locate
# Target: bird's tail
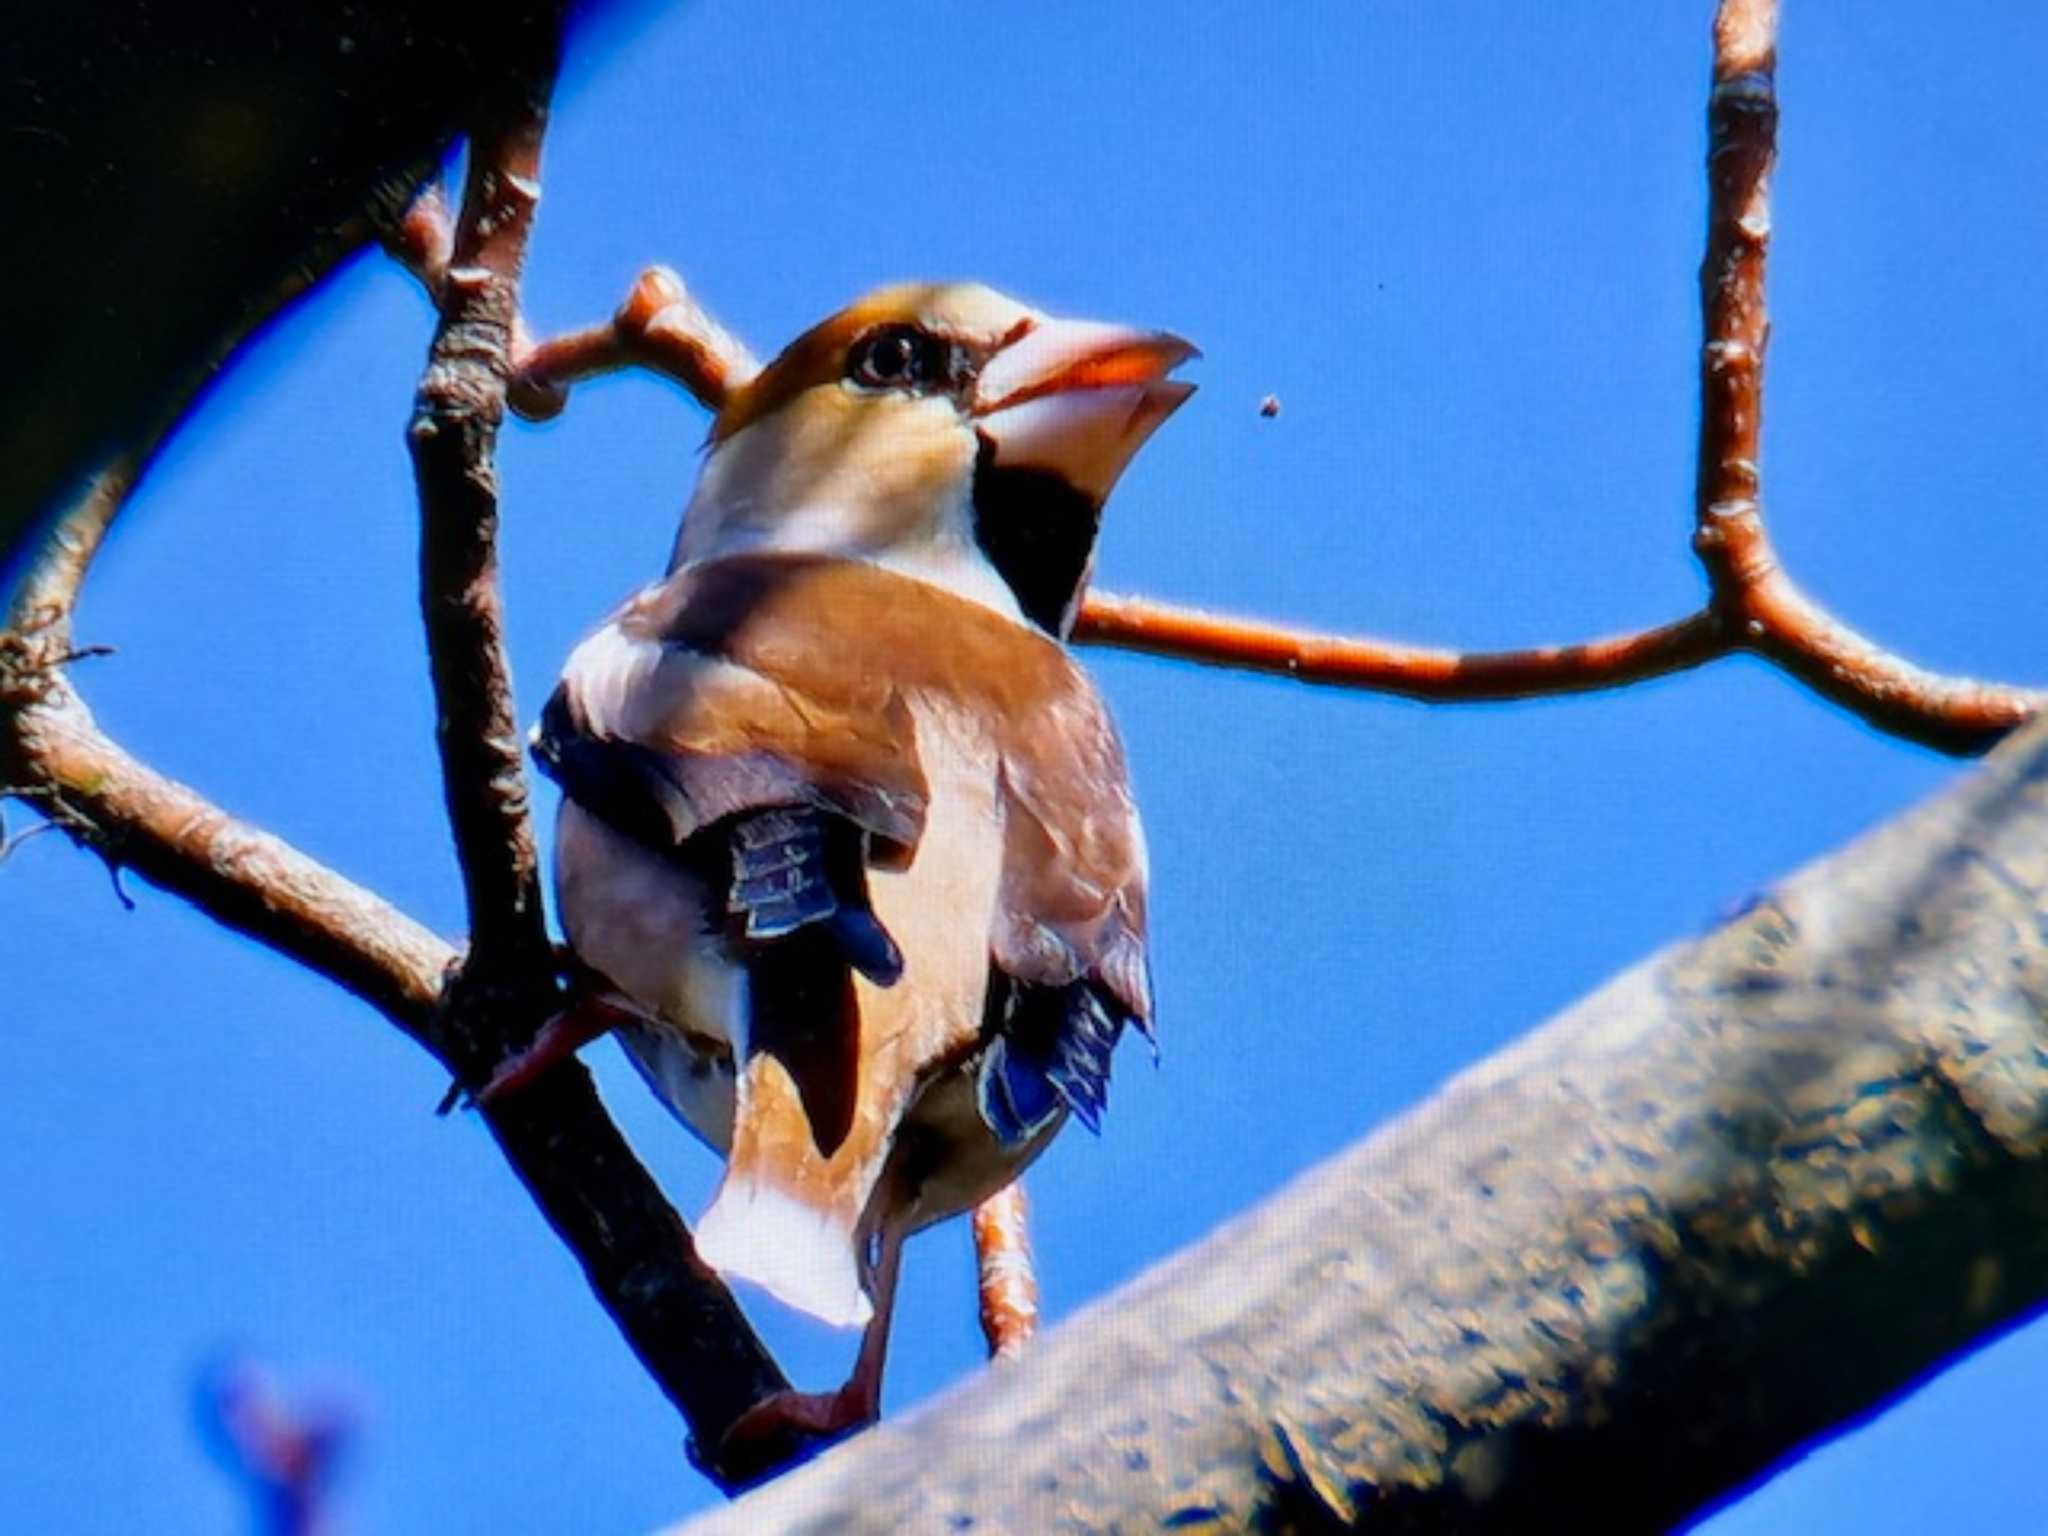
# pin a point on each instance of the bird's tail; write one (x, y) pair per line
(785, 1216)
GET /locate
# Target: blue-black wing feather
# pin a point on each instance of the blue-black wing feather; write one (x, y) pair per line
(798, 915)
(1050, 1048)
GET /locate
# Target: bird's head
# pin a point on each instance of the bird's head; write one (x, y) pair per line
(942, 429)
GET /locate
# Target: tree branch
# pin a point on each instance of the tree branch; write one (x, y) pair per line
(661, 327)
(1414, 672)
(1752, 604)
(54, 756)
(1736, 1198)
(675, 1313)
(453, 438)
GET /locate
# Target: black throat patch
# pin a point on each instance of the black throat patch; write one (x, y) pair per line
(1039, 534)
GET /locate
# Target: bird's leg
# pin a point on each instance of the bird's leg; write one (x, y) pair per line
(865, 1384)
(588, 1016)
(1007, 1283)
(829, 1415)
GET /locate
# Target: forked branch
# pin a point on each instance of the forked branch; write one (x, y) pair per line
(674, 1312)
(1752, 605)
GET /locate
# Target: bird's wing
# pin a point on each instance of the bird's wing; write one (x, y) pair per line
(770, 706)
(663, 739)
(776, 793)
(818, 658)
(1069, 968)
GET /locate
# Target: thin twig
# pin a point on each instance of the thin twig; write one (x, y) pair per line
(1415, 672)
(1762, 608)
(1006, 1280)
(423, 238)
(10, 842)
(1752, 604)
(661, 327)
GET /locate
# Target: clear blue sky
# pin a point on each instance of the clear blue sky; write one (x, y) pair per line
(1458, 242)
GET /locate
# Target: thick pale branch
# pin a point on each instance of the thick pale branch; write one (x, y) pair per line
(1739, 1196)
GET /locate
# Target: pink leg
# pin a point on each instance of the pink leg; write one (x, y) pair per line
(828, 1415)
(587, 1017)
(1009, 1287)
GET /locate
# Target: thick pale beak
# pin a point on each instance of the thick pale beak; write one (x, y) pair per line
(1079, 399)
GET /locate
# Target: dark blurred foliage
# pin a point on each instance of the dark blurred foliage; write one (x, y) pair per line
(174, 169)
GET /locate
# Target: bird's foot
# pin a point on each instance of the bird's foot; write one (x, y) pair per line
(584, 1020)
(785, 1416)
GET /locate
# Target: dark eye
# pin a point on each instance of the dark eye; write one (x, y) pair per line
(897, 357)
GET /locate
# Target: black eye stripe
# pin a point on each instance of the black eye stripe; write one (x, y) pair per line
(904, 357)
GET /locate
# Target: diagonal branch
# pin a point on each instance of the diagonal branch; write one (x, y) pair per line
(675, 1312)
(635, 1251)
(1752, 604)
(1383, 666)
(1735, 1199)
(54, 756)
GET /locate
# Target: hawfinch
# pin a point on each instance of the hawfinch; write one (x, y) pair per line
(847, 852)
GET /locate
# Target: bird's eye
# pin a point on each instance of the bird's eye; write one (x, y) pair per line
(897, 357)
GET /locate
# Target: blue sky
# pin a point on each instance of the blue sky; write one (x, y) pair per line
(1459, 243)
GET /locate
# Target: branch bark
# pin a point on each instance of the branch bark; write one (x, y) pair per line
(454, 437)
(1737, 1197)
(675, 1313)
(1752, 605)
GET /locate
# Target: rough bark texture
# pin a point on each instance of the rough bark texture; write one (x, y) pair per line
(1736, 1197)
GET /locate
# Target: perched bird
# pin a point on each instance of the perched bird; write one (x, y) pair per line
(847, 852)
